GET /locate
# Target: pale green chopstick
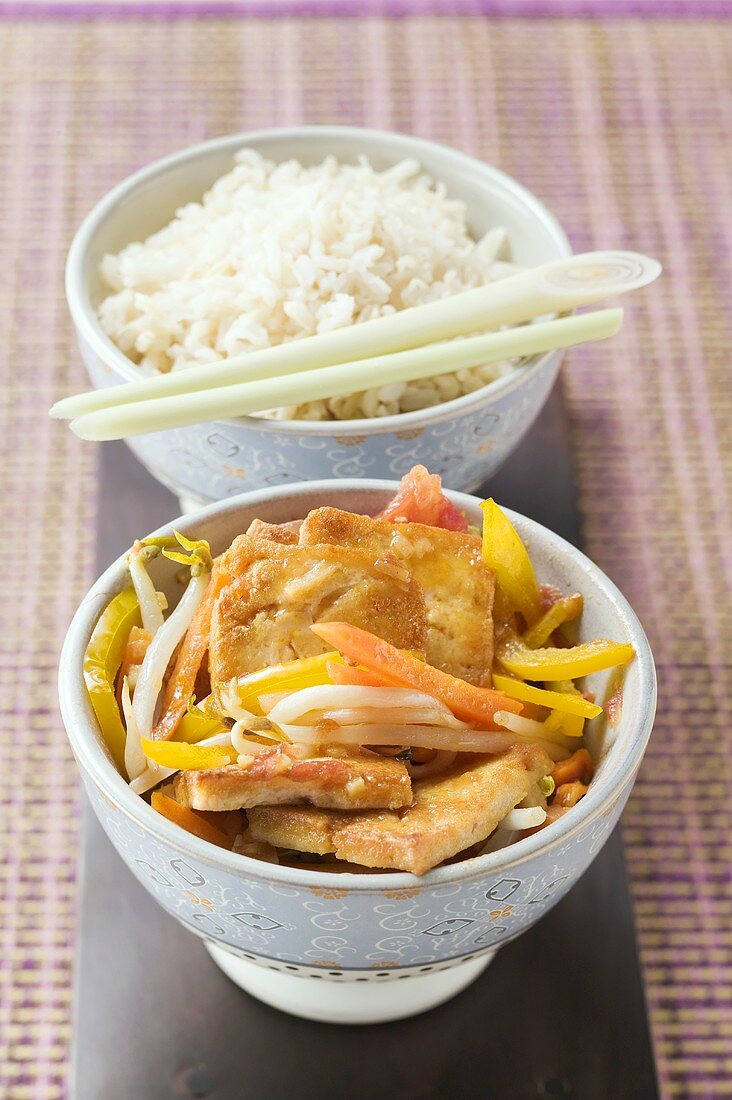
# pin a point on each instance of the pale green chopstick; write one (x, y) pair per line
(161, 413)
(557, 287)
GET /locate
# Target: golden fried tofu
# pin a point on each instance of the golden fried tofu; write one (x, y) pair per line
(344, 779)
(263, 617)
(449, 813)
(272, 532)
(458, 587)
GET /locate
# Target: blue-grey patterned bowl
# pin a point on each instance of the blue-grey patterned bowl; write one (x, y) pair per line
(277, 930)
(464, 440)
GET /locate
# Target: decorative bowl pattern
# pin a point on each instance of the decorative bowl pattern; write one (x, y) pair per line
(464, 440)
(350, 927)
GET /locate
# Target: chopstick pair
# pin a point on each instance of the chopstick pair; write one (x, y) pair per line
(401, 347)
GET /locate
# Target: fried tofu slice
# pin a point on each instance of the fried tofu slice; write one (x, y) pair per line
(449, 813)
(342, 779)
(458, 587)
(272, 532)
(263, 617)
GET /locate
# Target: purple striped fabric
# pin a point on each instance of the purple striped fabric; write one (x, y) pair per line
(170, 9)
(622, 126)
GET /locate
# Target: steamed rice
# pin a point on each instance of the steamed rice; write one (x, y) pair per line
(276, 252)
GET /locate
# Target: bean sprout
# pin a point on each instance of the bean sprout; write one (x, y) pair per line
(148, 598)
(160, 650)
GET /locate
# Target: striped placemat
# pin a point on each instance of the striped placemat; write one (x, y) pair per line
(622, 126)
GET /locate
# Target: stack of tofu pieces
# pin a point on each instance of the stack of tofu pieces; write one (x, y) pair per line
(422, 589)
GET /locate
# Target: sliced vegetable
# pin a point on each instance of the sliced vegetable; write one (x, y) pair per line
(188, 820)
(572, 725)
(423, 737)
(196, 724)
(151, 607)
(565, 610)
(102, 661)
(180, 686)
(555, 700)
(179, 755)
(524, 817)
(135, 762)
(419, 499)
(560, 664)
(569, 794)
(352, 675)
(349, 706)
(291, 676)
(133, 654)
(402, 670)
(578, 766)
(507, 556)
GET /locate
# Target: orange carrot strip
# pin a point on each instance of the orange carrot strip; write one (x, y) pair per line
(354, 676)
(578, 766)
(569, 794)
(400, 669)
(182, 681)
(188, 820)
(133, 654)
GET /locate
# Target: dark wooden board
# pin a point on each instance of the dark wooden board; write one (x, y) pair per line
(559, 1014)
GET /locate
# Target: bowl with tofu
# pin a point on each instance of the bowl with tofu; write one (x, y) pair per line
(344, 738)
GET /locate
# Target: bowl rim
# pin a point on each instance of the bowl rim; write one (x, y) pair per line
(90, 331)
(82, 730)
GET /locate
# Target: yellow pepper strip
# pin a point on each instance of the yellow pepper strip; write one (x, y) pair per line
(555, 700)
(303, 673)
(196, 724)
(560, 664)
(506, 554)
(563, 611)
(572, 725)
(178, 755)
(102, 660)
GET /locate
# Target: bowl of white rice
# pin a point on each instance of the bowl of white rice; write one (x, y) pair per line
(261, 238)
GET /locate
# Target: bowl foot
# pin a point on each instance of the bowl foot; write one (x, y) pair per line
(345, 1001)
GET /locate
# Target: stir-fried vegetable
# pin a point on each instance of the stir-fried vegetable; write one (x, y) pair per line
(555, 700)
(561, 664)
(178, 755)
(419, 499)
(135, 763)
(350, 706)
(352, 674)
(565, 610)
(578, 766)
(102, 661)
(292, 676)
(400, 669)
(569, 794)
(571, 725)
(506, 554)
(188, 820)
(151, 602)
(524, 817)
(180, 687)
(196, 724)
(413, 736)
(167, 638)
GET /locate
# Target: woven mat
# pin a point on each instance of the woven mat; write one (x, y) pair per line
(623, 128)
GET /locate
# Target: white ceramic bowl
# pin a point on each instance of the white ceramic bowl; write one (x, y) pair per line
(277, 931)
(464, 440)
